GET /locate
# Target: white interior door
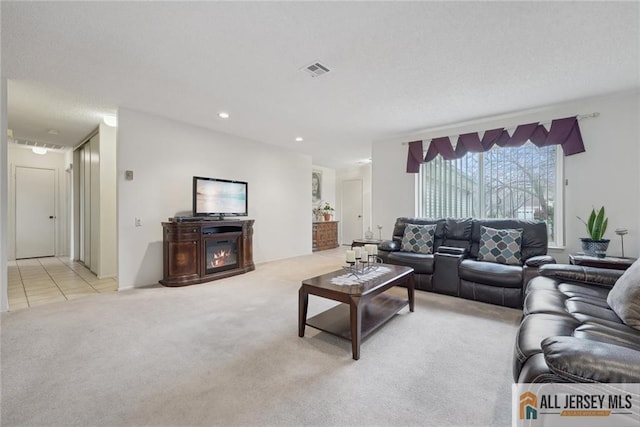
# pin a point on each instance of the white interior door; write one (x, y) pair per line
(351, 210)
(35, 212)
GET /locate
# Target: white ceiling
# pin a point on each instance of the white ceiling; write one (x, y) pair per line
(396, 67)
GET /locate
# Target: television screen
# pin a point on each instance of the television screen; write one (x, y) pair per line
(219, 197)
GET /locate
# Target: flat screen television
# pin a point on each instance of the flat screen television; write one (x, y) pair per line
(219, 197)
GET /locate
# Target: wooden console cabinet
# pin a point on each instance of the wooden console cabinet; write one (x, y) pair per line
(185, 246)
(325, 235)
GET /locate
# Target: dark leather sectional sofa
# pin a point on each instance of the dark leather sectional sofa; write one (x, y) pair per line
(453, 268)
(569, 333)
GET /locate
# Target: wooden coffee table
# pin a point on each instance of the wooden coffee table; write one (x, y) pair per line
(368, 307)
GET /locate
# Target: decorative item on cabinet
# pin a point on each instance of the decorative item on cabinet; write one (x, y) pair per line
(327, 211)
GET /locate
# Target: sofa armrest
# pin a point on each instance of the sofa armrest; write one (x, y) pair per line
(590, 275)
(539, 260)
(580, 360)
(389, 245)
(450, 250)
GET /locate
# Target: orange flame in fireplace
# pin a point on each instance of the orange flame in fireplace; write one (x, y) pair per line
(220, 258)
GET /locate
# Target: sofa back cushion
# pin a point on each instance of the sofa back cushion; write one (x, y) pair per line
(534, 235)
(457, 233)
(500, 245)
(624, 297)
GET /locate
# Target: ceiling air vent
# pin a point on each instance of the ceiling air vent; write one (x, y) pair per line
(46, 145)
(316, 69)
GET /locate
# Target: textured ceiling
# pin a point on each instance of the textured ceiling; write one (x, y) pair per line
(396, 67)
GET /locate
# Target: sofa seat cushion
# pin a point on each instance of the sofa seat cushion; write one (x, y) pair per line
(421, 263)
(489, 273)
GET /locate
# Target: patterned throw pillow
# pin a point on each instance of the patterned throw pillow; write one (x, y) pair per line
(501, 246)
(418, 238)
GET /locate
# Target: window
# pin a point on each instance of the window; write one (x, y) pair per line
(520, 182)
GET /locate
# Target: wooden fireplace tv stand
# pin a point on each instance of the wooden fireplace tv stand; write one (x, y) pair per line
(201, 250)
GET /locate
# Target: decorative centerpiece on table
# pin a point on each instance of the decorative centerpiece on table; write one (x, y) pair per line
(362, 260)
(327, 211)
(595, 245)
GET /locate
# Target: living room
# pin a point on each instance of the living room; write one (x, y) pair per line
(164, 152)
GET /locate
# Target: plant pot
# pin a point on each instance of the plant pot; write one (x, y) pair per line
(327, 217)
(594, 247)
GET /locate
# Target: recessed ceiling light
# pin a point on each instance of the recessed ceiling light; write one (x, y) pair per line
(39, 150)
(53, 132)
(299, 139)
(223, 115)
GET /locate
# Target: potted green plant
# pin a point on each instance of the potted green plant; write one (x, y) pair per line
(595, 245)
(327, 210)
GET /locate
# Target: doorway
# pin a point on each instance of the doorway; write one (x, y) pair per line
(35, 192)
(351, 210)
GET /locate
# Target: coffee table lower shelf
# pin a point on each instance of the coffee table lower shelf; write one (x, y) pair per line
(375, 313)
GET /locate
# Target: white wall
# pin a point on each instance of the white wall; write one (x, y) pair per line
(23, 156)
(606, 174)
(392, 190)
(164, 155)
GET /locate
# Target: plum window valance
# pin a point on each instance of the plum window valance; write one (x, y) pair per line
(564, 132)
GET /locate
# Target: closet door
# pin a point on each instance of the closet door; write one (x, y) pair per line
(86, 206)
(94, 149)
(81, 196)
(87, 164)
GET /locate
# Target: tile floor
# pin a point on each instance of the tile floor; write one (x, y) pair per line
(38, 281)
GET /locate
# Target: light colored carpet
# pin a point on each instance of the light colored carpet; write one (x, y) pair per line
(227, 353)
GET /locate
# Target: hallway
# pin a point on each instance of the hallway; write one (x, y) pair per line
(40, 281)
